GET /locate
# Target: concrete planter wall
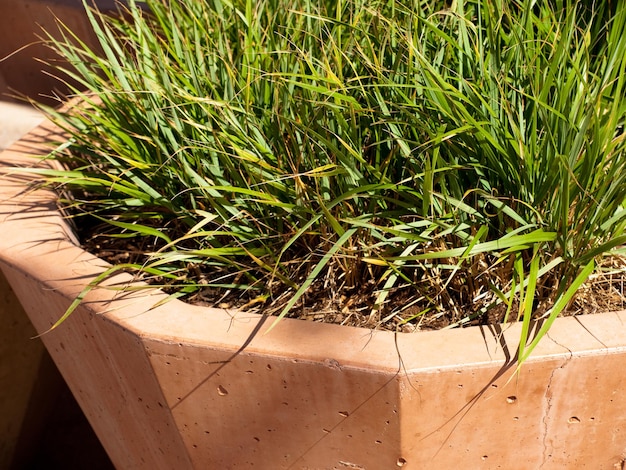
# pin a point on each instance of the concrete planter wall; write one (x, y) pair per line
(170, 387)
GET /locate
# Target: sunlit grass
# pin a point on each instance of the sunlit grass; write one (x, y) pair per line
(454, 156)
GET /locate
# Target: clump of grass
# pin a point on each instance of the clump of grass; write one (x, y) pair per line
(451, 157)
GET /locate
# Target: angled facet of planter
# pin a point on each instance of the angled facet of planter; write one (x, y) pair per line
(172, 386)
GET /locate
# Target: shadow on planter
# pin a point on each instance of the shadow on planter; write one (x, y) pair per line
(43, 426)
(55, 434)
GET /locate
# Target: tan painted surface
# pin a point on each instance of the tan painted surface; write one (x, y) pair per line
(163, 387)
(15, 121)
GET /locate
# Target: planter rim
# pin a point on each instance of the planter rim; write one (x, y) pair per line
(37, 241)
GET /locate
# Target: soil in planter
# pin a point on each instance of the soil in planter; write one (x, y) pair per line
(404, 310)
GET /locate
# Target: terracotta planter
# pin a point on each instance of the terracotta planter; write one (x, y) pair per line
(170, 387)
